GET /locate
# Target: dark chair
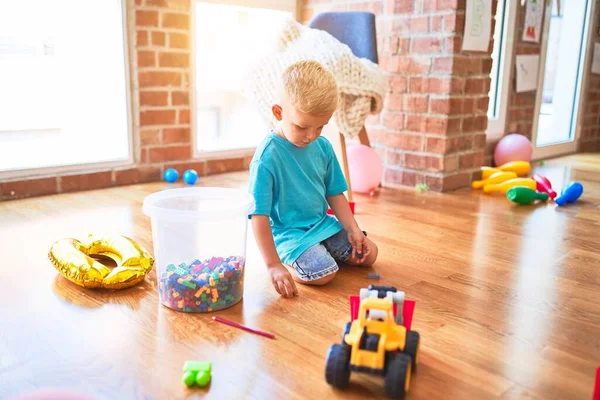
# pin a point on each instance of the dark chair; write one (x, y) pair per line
(357, 30)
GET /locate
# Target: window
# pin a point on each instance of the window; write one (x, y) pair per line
(562, 68)
(63, 84)
(228, 39)
(501, 61)
(498, 54)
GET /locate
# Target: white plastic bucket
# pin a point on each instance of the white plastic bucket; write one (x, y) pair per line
(199, 236)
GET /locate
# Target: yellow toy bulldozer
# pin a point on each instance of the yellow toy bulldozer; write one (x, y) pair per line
(376, 343)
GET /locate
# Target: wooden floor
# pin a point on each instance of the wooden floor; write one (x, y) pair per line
(508, 302)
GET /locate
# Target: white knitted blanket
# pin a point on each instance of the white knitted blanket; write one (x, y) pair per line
(360, 81)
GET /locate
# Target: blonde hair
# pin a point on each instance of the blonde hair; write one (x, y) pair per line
(310, 87)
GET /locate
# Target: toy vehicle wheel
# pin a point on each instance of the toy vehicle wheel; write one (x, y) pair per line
(389, 357)
(397, 378)
(413, 342)
(337, 366)
(346, 330)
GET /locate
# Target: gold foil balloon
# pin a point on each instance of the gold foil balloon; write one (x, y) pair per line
(73, 259)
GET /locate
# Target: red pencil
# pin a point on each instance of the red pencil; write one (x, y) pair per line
(235, 324)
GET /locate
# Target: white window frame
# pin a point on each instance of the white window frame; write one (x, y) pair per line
(128, 33)
(569, 147)
(281, 5)
(497, 126)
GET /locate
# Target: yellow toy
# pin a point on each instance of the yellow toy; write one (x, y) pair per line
(486, 172)
(376, 343)
(521, 168)
(505, 186)
(497, 177)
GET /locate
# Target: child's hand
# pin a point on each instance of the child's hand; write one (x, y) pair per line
(360, 245)
(283, 281)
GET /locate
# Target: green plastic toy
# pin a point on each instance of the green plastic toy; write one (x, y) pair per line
(525, 195)
(422, 187)
(197, 373)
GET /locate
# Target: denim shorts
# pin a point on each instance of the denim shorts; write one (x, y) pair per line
(321, 259)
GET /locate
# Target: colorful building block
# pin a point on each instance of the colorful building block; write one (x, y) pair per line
(197, 373)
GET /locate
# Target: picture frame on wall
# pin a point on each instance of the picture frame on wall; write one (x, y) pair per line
(534, 15)
(527, 66)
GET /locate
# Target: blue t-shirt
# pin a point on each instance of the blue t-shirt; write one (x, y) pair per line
(290, 185)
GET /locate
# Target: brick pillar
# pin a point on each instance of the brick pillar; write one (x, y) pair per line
(162, 87)
(432, 128)
(163, 70)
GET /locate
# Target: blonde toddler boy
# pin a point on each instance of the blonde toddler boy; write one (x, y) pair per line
(294, 177)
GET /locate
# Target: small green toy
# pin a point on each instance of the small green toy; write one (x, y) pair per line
(525, 195)
(197, 373)
(422, 187)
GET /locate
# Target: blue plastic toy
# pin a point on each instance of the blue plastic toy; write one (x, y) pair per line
(570, 194)
(171, 175)
(190, 176)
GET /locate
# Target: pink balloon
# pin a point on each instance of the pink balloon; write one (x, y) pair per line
(366, 168)
(513, 147)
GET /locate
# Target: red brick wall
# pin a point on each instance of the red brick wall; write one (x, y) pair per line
(432, 128)
(160, 68)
